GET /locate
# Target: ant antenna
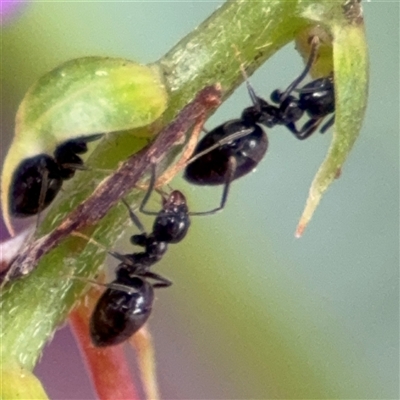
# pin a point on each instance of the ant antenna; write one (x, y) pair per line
(252, 93)
(231, 138)
(232, 165)
(89, 239)
(133, 216)
(42, 195)
(118, 256)
(311, 59)
(150, 189)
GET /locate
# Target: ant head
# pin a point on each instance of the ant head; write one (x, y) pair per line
(251, 115)
(175, 199)
(172, 222)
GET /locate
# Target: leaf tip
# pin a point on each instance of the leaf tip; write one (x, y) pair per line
(300, 229)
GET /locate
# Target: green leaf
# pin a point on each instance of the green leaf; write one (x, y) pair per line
(87, 95)
(18, 383)
(350, 61)
(81, 97)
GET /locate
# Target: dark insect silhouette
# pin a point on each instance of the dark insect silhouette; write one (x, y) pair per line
(38, 179)
(234, 148)
(127, 302)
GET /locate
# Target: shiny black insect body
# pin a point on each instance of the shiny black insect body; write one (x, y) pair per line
(127, 302)
(228, 152)
(37, 180)
(235, 148)
(316, 99)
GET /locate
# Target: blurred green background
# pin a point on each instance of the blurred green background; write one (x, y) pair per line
(253, 312)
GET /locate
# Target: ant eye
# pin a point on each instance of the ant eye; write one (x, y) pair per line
(276, 96)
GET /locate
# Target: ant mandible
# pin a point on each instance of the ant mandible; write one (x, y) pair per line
(235, 148)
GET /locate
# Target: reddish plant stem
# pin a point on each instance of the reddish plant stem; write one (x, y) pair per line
(108, 367)
(142, 343)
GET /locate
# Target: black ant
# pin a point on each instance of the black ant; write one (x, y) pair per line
(38, 179)
(235, 148)
(127, 302)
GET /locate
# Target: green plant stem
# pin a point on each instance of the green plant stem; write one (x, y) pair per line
(240, 31)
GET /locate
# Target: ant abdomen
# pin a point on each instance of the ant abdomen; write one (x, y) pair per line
(37, 180)
(120, 313)
(241, 155)
(27, 185)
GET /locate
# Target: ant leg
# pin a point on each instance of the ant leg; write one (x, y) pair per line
(161, 281)
(307, 129)
(42, 194)
(229, 178)
(82, 167)
(134, 218)
(146, 198)
(230, 138)
(328, 124)
(118, 256)
(112, 285)
(311, 59)
(79, 167)
(122, 257)
(297, 134)
(150, 189)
